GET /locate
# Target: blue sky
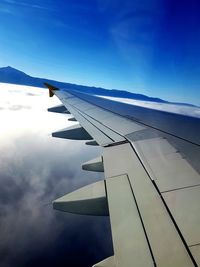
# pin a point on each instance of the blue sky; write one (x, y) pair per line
(146, 46)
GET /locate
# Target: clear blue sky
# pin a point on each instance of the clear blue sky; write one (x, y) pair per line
(147, 46)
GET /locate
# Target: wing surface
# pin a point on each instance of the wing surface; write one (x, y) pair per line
(151, 185)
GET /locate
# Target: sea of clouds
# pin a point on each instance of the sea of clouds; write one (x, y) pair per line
(34, 170)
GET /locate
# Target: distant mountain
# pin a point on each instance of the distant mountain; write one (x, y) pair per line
(14, 76)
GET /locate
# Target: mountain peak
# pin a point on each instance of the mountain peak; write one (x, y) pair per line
(11, 75)
(9, 69)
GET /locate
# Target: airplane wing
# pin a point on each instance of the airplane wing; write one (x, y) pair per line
(151, 185)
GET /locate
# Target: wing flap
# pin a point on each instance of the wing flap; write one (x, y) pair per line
(196, 253)
(177, 180)
(130, 244)
(185, 208)
(168, 167)
(160, 230)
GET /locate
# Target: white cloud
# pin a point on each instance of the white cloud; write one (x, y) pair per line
(173, 108)
(24, 109)
(34, 170)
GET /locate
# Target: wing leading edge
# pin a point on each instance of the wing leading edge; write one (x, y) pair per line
(151, 180)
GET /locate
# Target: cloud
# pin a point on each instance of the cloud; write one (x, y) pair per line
(133, 26)
(193, 111)
(31, 94)
(6, 10)
(26, 4)
(34, 170)
(9, 1)
(19, 107)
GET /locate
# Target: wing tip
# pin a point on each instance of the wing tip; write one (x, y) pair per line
(51, 89)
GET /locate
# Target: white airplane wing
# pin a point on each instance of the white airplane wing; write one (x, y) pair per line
(151, 185)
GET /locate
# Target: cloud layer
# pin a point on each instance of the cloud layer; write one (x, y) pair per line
(193, 111)
(34, 170)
